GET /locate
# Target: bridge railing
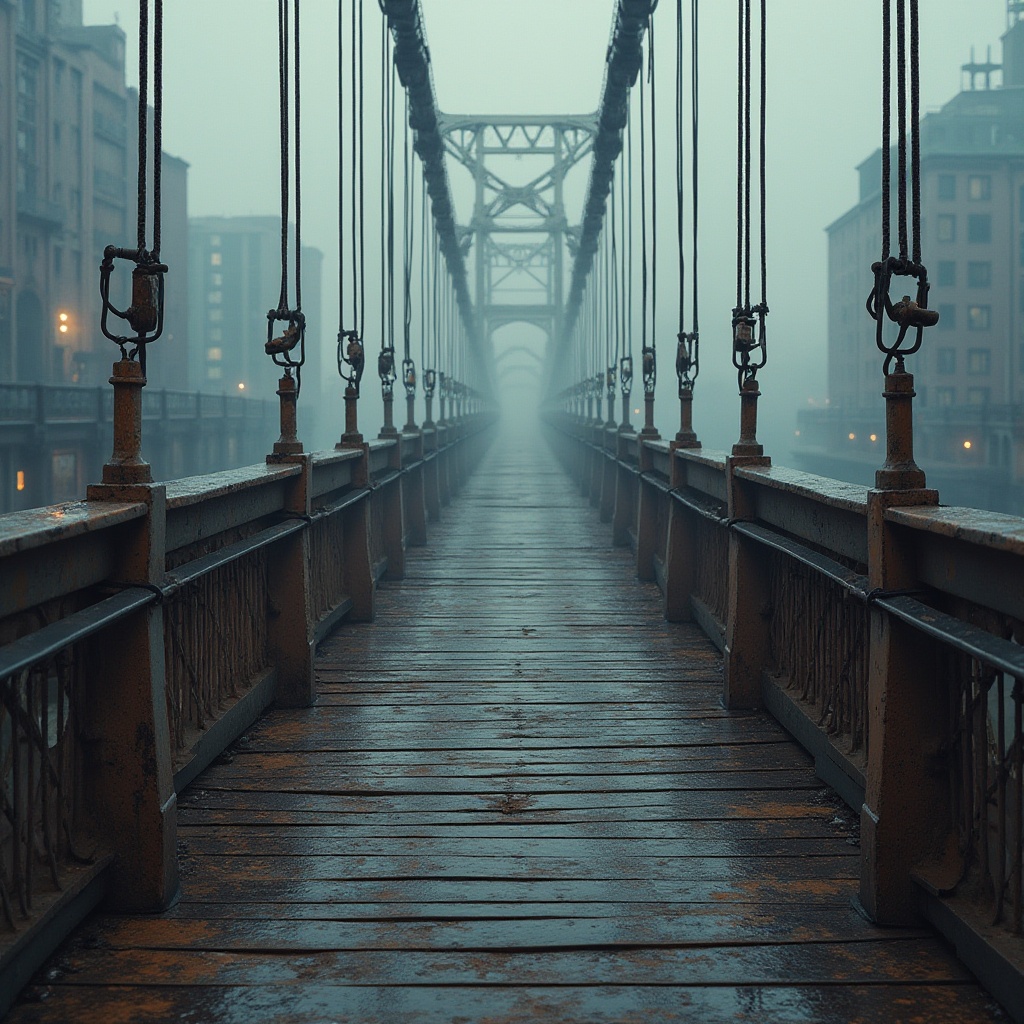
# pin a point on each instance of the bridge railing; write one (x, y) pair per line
(144, 630)
(886, 639)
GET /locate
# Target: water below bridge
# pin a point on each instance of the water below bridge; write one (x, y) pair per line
(518, 798)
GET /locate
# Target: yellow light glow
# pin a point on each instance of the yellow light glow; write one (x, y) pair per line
(21, 479)
(63, 328)
(874, 437)
(63, 318)
(798, 433)
(853, 437)
(968, 444)
(241, 385)
(636, 412)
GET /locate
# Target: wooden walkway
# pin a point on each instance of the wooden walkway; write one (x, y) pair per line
(518, 799)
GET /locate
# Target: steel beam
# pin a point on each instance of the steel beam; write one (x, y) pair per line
(412, 60)
(622, 65)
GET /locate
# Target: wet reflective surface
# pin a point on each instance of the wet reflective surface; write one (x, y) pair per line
(517, 799)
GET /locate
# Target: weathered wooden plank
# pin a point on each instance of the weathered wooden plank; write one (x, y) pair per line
(316, 1002)
(525, 804)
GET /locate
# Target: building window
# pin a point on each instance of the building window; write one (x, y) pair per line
(216, 280)
(214, 373)
(214, 298)
(946, 227)
(215, 334)
(215, 355)
(978, 396)
(979, 318)
(979, 227)
(214, 259)
(947, 274)
(947, 360)
(947, 316)
(945, 396)
(215, 316)
(979, 361)
(947, 187)
(979, 187)
(979, 274)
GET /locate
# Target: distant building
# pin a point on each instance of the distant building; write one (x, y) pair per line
(63, 192)
(234, 278)
(969, 375)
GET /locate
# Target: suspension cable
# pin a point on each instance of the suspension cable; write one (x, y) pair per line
(750, 340)
(909, 315)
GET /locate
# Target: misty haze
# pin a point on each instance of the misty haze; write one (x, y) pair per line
(510, 510)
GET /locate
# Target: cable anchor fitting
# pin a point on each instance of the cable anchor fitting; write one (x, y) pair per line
(909, 315)
(145, 315)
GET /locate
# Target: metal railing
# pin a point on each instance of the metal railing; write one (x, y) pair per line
(910, 699)
(118, 689)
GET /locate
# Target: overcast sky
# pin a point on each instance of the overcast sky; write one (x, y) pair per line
(546, 56)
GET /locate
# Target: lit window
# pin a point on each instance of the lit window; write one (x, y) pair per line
(979, 187)
(979, 318)
(215, 355)
(215, 259)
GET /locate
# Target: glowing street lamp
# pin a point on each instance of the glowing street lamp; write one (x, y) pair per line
(63, 324)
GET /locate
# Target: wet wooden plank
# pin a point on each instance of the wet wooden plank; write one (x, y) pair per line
(524, 803)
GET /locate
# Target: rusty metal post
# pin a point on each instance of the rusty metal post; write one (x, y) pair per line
(389, 430)
(126, 465)
(288, 444)
(900, 472)
(128, 746)
(747, 446)
(905, 820)
(650, 431)
(351, 438)
(410, 411)
(625, 427)
(686, 437)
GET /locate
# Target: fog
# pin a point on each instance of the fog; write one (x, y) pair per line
(544, 57)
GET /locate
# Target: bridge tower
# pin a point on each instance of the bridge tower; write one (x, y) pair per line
(519, 233)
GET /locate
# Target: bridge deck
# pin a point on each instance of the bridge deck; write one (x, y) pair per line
(518, 799)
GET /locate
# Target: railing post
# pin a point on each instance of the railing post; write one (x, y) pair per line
(625, 491)
(746, 636)
(412, 493)
(290, 626)
(647, 500)
(905, 817)
(431, 487)
(680, 553)
(609, 475)
(128, 746)
(394, 517)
